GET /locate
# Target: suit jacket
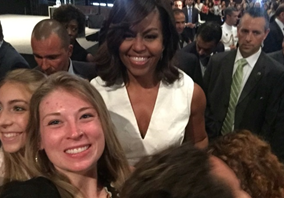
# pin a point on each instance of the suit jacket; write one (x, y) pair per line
(190, 32)
(85, 70)
(82, 69)
(278, 56)
(39, 187)
(10, 59)
(190, 65)
(273, 41)
(258, 108)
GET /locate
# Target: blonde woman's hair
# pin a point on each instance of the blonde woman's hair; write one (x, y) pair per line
(112, 165)
(14, 166)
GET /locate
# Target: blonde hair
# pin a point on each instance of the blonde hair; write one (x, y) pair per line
(112, 165)
(14, 166)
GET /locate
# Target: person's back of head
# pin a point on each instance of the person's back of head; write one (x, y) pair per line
(210, 31)
(258, 169)
(180, 172)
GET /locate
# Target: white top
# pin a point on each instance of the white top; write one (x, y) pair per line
(167, 125)
(229, 36)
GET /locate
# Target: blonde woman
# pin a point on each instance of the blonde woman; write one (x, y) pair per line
(72, 143)
(16, 90)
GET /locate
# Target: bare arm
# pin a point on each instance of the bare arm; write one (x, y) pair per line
(195, 130)
(90, 57)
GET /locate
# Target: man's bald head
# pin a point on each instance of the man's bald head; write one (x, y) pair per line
(46, 27)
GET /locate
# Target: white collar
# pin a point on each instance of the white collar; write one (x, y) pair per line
(251, 60)
(280, 24)
(229, 27)
(71, 69)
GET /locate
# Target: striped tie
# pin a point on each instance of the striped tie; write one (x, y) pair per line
(235, 90)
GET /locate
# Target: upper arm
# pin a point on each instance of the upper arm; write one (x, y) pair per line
(195, 130)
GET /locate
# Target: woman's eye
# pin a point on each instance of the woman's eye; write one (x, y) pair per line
(86, 116)
(17, 108)
(151, 37)
(53, 122)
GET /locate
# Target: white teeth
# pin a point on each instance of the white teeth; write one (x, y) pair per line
(138, 58)
(8, 135)
(77, 150)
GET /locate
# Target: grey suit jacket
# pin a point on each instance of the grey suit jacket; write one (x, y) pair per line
(10, 59)
(278, 56)
(260, 107)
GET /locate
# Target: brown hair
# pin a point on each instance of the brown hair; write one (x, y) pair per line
(180, 172)
(112, 165)
(14, 167)
(46, 27)
(260, 172)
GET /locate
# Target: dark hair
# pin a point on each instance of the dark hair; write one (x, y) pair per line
(46, 27)
(210, 31)
(177, 11)
(180, 172)
(259, 171)
(229, 11)
(123, 15)
(66, 13)
(256, 12)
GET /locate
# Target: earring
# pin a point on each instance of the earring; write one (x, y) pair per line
(36, 157)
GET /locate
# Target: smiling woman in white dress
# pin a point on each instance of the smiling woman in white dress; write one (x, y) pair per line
(152, 104)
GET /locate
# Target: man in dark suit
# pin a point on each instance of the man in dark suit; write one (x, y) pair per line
(207, 43)
(278, 55)
(244, 87)
(9, 58)
(191, 19)
(180, 25)
(274, 38)
(52, 50)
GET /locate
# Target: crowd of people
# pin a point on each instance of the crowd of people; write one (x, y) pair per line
(175, 103)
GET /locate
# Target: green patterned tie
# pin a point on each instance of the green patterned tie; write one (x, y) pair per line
(235, 90)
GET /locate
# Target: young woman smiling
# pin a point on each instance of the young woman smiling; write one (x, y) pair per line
(16, 90)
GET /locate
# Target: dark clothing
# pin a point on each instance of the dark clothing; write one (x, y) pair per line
(191, 48)
(278, 56)
(39, 187)
(82, 69)
(190, 65)
(190, 32)
(79, 53)
(273, 41)
(10, 59)
(258, 108)
(183, 40)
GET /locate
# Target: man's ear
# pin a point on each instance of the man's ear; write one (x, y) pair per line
(70, 50)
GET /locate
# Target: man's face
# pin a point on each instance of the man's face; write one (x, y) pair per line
(177, 4)
(251, 34)
(50, 55)
(232, 19)
(189, 2)
(204, 48)
(180, 22)
(227, 175)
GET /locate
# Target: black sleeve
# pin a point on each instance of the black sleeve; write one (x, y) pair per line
(34, 188)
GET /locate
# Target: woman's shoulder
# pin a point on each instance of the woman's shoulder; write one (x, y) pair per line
(39, 187)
